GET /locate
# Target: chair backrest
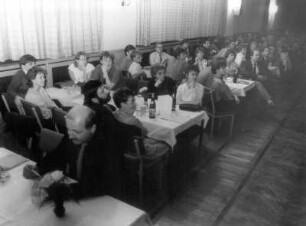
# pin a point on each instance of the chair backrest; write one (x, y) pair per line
(32, 110)
(208, 100)
(59, 119)
(49, 140)
(5, 102)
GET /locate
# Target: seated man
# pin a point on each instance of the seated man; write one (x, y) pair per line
(18, 86)
(224, 99)
(177, 67)
(107, 72)
(127, 60)
(254, 70)
(155, 151)
(159, 57)
(160, 84)
(125, 102)
(83, 156)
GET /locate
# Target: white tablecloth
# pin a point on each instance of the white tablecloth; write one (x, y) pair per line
(67, 96)
(17, 209)
(241, 87)
(166, 126)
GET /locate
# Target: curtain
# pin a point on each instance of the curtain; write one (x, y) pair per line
(233, 11)
(49, 29)
(160, 20)
(253, 17)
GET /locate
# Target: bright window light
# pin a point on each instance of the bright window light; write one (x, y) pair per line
(234, 6)
(273, 7)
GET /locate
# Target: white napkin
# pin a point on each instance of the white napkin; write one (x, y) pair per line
(164, 104)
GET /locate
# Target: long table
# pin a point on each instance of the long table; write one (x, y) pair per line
(17, 209)
(240, 87)
(167, 126)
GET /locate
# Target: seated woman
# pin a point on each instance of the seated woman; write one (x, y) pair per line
(107, 72)
(199, 60)
(80, 71)
(160, 84)
(231, 66)
(241, 55)
(135, 68)
(37, 94)
(190, 92)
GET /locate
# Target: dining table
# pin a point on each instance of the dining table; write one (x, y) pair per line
(18, 209)
(240, 87)
(167, 125)
(68, 96)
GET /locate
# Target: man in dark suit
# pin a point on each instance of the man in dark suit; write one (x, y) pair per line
(84, 156)
(253, 69)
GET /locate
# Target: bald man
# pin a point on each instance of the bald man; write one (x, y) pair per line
(83, 156)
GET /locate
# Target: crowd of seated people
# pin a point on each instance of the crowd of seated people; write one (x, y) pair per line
(92, 128)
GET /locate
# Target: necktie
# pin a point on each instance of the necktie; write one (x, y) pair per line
(160, 58)
(79, 162)
(254, 68)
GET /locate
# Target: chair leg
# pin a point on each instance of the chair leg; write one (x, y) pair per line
(140, 195)
(232, 125)
(212, 126)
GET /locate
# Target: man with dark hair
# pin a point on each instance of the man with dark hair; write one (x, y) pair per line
(160, 84)
(107, 72)
(18, 86)
(83, 156)
(254, 70)
(127, 60)
(177, 67)
(159, 56)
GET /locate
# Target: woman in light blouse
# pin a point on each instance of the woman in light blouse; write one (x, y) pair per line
(190, 92)
(80, 71)
(37, 94)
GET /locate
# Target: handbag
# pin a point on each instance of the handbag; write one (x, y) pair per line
(190, 107)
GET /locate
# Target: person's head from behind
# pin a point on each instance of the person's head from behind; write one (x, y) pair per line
(219, 67)
(136, 56)
(230, 56)
(255, 55)
(95, 92)
(124, 100)
(128, 50)
(192, 73)
(206, 43)
(81, 124)
(107, 58)
(80, 59)
(159, 47)
(37, 77)
(158, 71)
(26, 62)
(179, 53)
(265, 52)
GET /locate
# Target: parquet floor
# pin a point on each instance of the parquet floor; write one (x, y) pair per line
(257, 178)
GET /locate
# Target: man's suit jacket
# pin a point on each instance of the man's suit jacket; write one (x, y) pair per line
(246, 70)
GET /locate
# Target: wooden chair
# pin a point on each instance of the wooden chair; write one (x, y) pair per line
(137, 159)
(5, 102)
(208, 102)
(33, 110)
(59, 119)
